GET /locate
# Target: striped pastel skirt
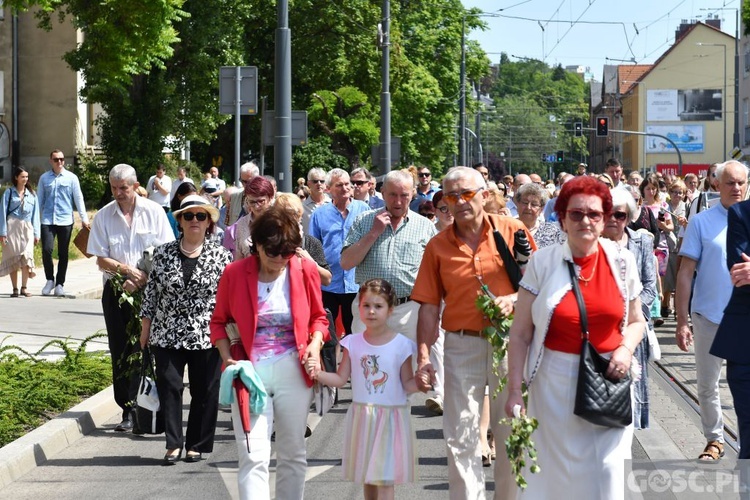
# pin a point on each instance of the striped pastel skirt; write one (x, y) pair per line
(380, 445)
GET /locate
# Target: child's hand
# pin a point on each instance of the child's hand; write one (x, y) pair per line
(423, 379)
(312, 366)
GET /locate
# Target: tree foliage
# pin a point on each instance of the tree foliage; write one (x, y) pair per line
(536, 107)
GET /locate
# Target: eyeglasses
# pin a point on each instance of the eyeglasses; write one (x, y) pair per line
(424, 174)
(621, 216)
(58, 160)
(678, 193)
(443, 209)
(317, 181)
(285, 254)
(578, 215)
(360, 183)
(255, 203)
(428, 215)
(201, 216)
(530, 204)
(465, 195)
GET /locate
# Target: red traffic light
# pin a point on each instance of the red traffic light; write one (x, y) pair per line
(602, 126)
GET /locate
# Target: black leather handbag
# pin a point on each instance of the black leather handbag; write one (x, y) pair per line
(599, 400)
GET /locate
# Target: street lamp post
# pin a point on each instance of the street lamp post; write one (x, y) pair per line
(724, 96)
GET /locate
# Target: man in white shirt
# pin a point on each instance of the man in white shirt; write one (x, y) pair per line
(613, 168)
(159, 188)
(120, 233)
(181, 178)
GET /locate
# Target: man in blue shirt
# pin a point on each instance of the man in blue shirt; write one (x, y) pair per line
(425, 189)
(330, 223)
(57, 191)
(703, 254)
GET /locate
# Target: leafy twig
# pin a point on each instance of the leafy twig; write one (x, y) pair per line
(519, 445)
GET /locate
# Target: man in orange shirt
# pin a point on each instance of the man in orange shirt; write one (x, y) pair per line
(452, 262)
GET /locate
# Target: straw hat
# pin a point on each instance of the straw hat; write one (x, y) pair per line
(195, 200)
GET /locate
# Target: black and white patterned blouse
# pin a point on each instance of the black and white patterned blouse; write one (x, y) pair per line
(180, 313)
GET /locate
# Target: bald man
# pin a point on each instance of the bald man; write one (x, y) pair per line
(519, 181)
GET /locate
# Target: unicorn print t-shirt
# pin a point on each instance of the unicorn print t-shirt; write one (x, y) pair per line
(275, 334)
(376, 369)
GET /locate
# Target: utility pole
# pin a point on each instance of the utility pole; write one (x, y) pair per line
(462, 98)
(282, 157)
(385, 94)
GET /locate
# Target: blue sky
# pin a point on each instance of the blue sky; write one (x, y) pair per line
(573, 32)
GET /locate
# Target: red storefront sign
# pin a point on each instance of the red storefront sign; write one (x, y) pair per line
(699, 169)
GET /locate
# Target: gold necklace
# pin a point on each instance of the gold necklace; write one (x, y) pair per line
(586, 280)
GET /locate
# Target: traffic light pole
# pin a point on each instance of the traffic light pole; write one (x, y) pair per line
(631, 132)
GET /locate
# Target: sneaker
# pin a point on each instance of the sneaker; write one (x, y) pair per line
(47, 290)
(59, 292)
(435, 405)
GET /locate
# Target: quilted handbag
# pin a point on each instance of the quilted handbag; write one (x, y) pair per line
(599, 400)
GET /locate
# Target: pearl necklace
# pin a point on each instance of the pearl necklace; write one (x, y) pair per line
(190, 252)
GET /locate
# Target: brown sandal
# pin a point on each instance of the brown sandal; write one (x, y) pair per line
(713, 452)
(15, 293)
(24, 293)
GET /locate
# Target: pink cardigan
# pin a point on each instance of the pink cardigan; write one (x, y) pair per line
(237, 298)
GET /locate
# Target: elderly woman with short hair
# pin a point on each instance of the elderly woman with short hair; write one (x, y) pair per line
(530, 200)
(641, 244)
(259, 195)
(177, 305)
(578, 459)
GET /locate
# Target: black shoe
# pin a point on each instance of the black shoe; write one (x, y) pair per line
(126, 425)
(192, 456)
(172, 459)
(658, 322)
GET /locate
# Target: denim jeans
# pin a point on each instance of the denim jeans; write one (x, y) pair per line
(640, 386)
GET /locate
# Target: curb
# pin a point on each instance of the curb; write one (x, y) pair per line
(41, 444)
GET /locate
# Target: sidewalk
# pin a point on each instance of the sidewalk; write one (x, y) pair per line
(83, 281)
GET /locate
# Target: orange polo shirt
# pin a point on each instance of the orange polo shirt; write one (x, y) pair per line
(449, 269)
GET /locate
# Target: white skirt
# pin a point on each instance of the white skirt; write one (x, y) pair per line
(578, 460)
(19, 247)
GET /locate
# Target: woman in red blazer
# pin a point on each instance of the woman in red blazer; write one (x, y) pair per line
(274, 299)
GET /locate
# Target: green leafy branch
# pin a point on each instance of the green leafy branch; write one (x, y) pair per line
(132, 354)
(519, 445)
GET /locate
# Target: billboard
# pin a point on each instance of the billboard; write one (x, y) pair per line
(689, 138)
(691, 105)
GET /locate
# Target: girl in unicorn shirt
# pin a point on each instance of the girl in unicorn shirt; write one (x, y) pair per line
(379, 449)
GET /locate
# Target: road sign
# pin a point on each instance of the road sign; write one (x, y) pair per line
(549, 158)
(248, 90)
(299, 127)
(395, 152)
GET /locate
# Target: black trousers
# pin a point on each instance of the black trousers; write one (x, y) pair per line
(124, 378)
(63, 233)
(332, 301)
(204, 369)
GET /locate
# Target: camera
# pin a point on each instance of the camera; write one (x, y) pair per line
(662, 215)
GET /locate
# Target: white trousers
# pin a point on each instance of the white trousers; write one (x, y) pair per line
(707, 375)
(286, 411)
(436, 359)
(468, 369)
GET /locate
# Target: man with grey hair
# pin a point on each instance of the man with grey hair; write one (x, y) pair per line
(316, 181)
(704, 254)
(361, 184)
(120, 234)
(330, 223)
(236, 208)
(388, 243)
(455, 265)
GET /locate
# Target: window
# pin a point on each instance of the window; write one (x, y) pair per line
(745, 118)
(746, 52)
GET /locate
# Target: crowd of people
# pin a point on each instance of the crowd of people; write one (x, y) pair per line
(247, 283)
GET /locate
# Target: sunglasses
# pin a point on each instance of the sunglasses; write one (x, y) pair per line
(424, 174)
(58, 160)
(201, 216)
(285, 254)
(466, 195)
(443, 209)
(428, 215)
(621, 216)
(578, 215)
(360, 183)
(318, 181)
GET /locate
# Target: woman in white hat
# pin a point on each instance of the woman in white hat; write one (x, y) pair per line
(177, 305)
